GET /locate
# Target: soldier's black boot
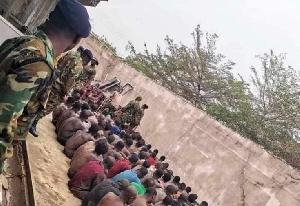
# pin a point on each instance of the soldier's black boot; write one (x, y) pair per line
(32, 130)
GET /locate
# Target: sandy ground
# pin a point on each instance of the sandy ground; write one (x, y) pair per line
(49, 168)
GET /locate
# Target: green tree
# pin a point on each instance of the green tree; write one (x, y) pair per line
(267, 115)
(276, 101)
(196, 73)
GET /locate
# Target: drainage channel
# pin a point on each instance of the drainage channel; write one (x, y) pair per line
(15, 183)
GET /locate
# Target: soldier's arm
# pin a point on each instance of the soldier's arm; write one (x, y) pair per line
(70, 81)
(16, 91)
(129, 105)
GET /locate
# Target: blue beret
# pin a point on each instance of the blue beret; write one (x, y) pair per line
(75, 16)
(88, 53)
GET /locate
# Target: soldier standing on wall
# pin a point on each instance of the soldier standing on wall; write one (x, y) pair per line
(26, 70)
(69, 67)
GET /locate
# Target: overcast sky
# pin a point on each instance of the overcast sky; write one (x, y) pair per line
(245, 27)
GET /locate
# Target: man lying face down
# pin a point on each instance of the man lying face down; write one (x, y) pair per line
(126, 198)
(106, 186)
(80, 138)
(57, 112)
(86, 156)
(71, 126)
(73, 112)
(88, 176)
(146, 199)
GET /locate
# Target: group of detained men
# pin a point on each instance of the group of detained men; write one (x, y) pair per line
(110, 163)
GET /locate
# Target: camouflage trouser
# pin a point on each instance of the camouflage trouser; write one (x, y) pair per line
(24, 123)
(6, 144)
(55, 98)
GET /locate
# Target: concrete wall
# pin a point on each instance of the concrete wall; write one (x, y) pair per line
(7, 30)
(29, 13)
(220, 165)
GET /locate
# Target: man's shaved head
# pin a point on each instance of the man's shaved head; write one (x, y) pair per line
(129, 195)
(170, 190)
(85, 114)
(76, 106)
(101, 148)
(149, 182)
(124, 183)
(109, 162)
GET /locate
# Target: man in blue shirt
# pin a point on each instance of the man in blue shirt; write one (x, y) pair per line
(131, 175)
(116, 128)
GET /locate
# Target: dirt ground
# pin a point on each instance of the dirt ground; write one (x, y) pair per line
(49, 168)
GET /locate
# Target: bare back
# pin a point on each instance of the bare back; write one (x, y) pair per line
(88, 146)
(78, 139)
(64, 116)
(111, 199)
(84, 158)
(57, 112)
(139, 201)
(69, 128)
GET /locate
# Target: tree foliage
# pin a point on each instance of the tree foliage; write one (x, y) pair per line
(263, 110)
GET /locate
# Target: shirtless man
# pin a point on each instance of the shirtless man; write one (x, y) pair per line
(93, 118)
(162, 193)
(129, 195)
(166, 201)
(136, 147)
(119, 146)
(116, 139)
(86, 147)
(67, 114)
(78, 139)
(146, 199)
(61, 108)
(167, 180)
(99, 191)
(71, 126)
(88, 176)
(157, 175)
(116, 150)
(94, 129)
(134, 160)
(86, 156)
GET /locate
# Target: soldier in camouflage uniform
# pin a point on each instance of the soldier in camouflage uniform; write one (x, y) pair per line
(88, 72)
(138, 115)
(26, 70)
(91, 71)
(69, 67)
(131, 112)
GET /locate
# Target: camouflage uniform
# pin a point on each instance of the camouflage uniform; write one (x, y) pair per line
(132, 114)
(138, 117)
(69, 67)
(26, 71)
(86, 77)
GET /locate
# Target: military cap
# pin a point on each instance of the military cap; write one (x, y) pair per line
(139, 98)
(74, 15)
(88, 53)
